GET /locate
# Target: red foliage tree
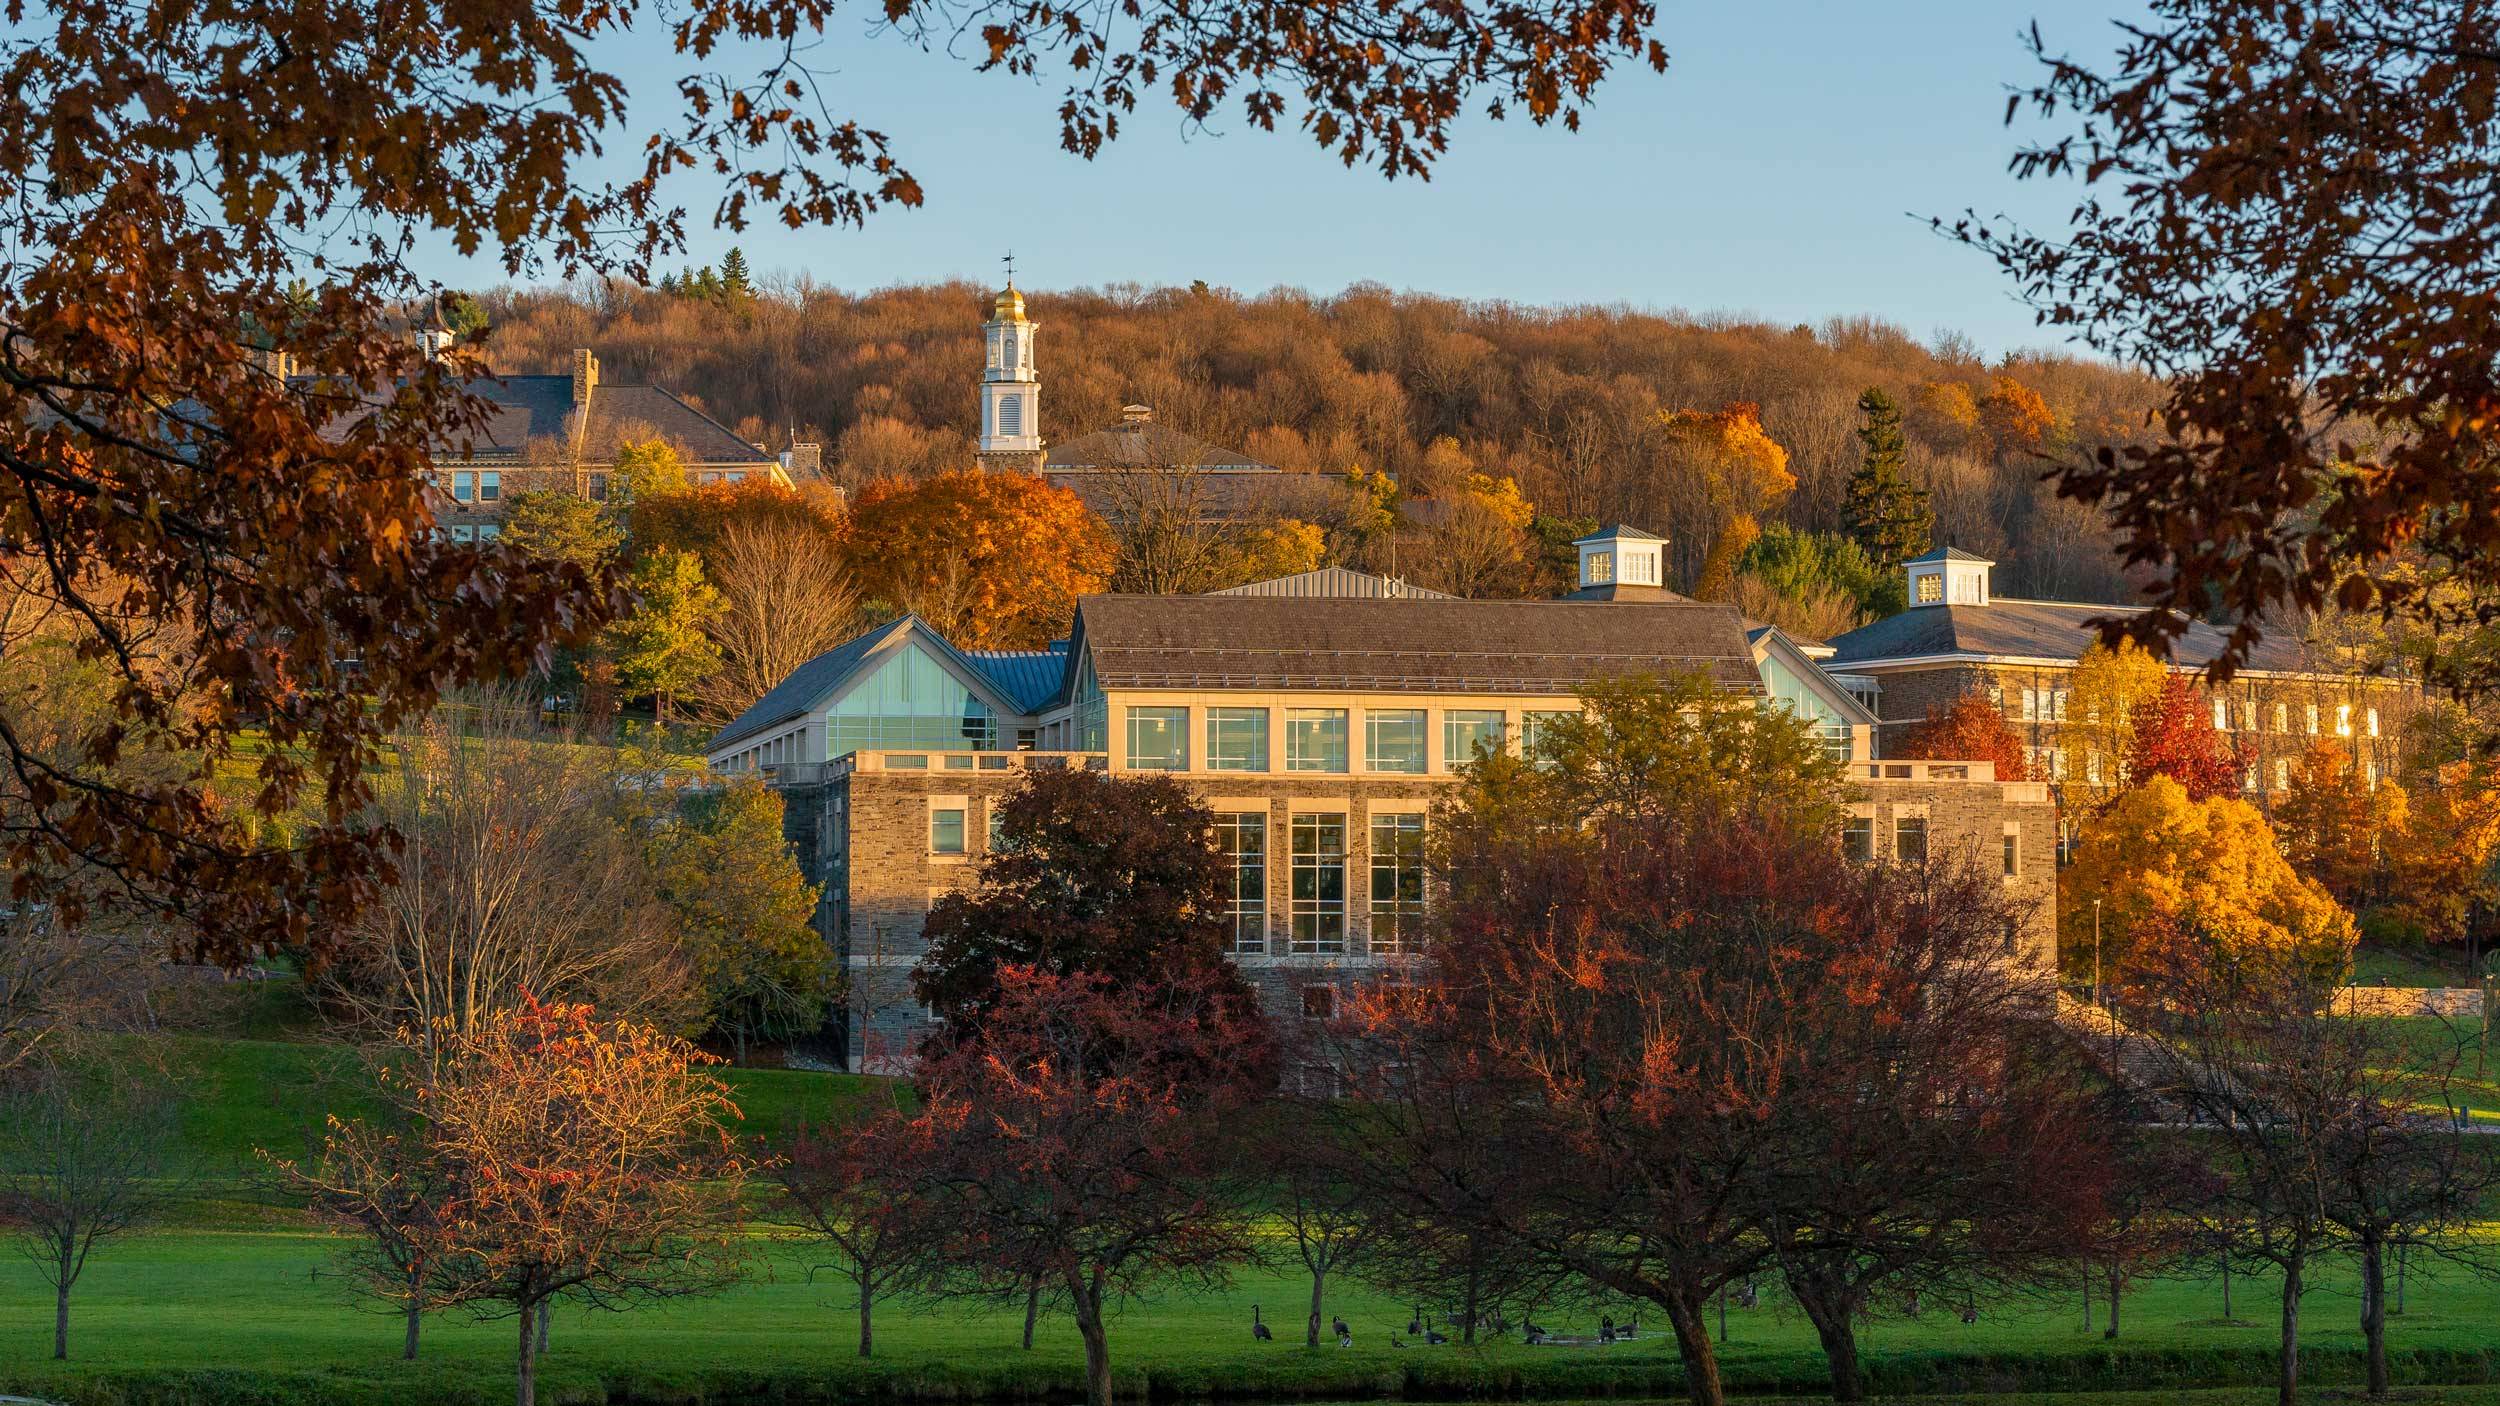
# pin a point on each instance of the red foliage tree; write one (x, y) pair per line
(1698, 1013)
(2177, 738)
(1970, 729)
(1079, 1143)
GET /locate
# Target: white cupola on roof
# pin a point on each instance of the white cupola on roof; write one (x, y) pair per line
(1622, 556)
(1948, 576)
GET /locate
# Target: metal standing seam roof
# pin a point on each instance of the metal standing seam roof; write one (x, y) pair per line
(2038, 629)
(1413, 646)
(1336, 582)
(807, 683)
(1030, 677)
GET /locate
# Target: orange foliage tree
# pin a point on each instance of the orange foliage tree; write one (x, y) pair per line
(2014, 417)
(592, 1159)
(2335, 829)
(1970, 728)
(990, 560)
(698, 520)
(2441, 860)
(1743, 473)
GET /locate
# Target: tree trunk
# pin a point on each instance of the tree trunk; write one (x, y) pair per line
(1032, 1308)
(60, 1315)
(2116, 1283)
(416, 1315)
(867, 1336)
(2403, 1253)
(526, 1393)
(1834, 1328)
(2374, 1312)
(1088, 1306)
(1475, 1280)
(2287, 1370)
(1319, 1288)
(2226, 1289)
(1692, 1346)
(546, 1310)
(2087, 1298)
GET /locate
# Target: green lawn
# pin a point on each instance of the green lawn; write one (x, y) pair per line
(2388, 966)
(212, 1316)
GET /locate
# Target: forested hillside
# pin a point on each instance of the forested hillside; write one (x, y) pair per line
(1568, 401)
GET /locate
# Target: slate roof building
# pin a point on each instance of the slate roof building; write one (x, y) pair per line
(1318, 717)
(1958, 636)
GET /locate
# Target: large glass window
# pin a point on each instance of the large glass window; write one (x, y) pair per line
(1158, 739)
(1857, 838)
(1909, 839)
(1532, 728)
(946, 831)
(1236, 739)
(1315, 739)
(1242, 839)
(1393, 739)
(1318, 884)
(1397, 883)
(1465, 730)
(910, 702)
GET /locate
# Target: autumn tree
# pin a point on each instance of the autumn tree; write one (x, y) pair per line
(1111, 875)
(1743, 474)
(988, 560)
(644, 469)
(1079, 1141)
(860, 1190)
(2111, 688)
(744, 915)
(2304, 313)
(553, 525)
(379, 1178)
(1884, 513)
(1174, 537)
(662, 647)
(2441, 861)
(786, 596)
(1478, 543)
(2175, 736)
(86, 1148)
(2014, 418)
(1970, 728)
(2151, 860)
(274, 533)
(700, 519)
(1814, 585)
(2336, 830)
(595, 1161)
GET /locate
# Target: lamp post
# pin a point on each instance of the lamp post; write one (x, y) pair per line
(2096, 952)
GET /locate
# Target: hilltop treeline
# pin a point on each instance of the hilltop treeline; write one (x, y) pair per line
(1568, 401)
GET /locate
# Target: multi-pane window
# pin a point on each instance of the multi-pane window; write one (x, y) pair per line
(946, 830)
(1318, 884)
(1857, 838)
(2057, 701)
(489, 486)
(463, 487)
(1532, 728)
(2313, 720)
(1397, 883)
(1909, 839)
(1464, 730)
(1393, 739)
(2373, 722)
(2343, 720)
(1600, 567)
(2031, 705)
(2282, 774)
(1315, 739)
(1242, 839)
(1158, 739)
(1930, 589)
(2222, 715)
(1236, 739)
(997, 827)
(598, 488)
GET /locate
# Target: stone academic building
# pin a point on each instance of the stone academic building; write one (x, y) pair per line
(1319, 718)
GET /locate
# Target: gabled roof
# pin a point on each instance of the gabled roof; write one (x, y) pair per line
(811, 684)
(1207, 494)
(1620, 531)
(530, 412)
(1143, 444)
(1770, 640)
(1947, 554)
(1336, 582)
(1031, 677)
(2037, 629)
(1413, 646)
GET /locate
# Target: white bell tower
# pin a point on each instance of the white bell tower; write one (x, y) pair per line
(1011, 394)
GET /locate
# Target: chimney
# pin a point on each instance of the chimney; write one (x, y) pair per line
(585, 376)
(1133, 415)
(803, 459)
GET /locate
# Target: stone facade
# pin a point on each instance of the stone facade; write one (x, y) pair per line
(869, 832)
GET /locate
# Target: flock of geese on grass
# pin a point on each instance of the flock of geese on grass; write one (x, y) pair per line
(1421, 1326)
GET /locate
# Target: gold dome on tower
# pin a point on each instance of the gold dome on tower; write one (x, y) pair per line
(1010, 302)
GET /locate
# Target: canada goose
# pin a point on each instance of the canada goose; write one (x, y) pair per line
(1530, 1328)
(1535, 1335)
(1631, 1329)
(1345, 1336)
(1498, 1323)
(1970, 1314)
(1435, 1338)
(1397, 1342)
(1258, 1329)
(1415, 1325)
(1606, 1333)
(1339, 1324)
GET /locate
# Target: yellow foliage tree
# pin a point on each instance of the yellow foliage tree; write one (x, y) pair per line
(646, 468)
(2163, 864)
(2016, 419)
(2440, 862)
(2110, 687)
(1743, 473)
(992, 561)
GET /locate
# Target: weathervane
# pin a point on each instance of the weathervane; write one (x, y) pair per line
(1010, 262)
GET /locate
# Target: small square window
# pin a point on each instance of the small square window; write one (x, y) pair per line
(946, 831)
(1857, 838)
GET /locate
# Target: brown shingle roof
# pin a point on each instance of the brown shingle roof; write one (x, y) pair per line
(1411, 646)
(1143, 444)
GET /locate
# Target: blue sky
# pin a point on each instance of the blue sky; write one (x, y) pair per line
(1777, 169)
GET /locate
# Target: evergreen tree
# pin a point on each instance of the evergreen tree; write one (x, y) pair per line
(662, 648)
(734, 285)
(1885, 513)
(556, 526)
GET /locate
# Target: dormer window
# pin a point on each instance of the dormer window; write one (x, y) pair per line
(1948, 576)
(1624, 555)
(1930, 588)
